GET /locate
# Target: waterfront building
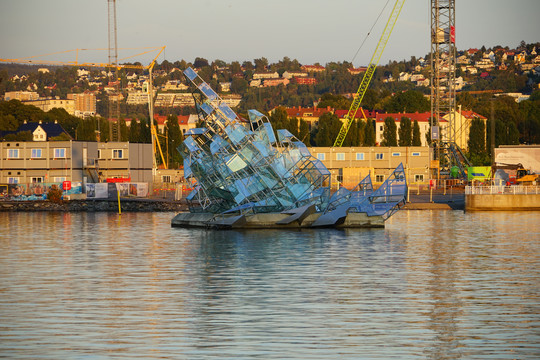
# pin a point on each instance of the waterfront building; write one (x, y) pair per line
(349, 165)
(421, 118)
(26, 162)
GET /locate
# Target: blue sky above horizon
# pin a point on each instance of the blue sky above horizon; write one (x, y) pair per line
(311, 31)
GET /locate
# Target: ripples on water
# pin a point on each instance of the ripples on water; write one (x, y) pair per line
(431, 285)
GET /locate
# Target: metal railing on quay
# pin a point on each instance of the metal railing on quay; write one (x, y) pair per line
(503, 190)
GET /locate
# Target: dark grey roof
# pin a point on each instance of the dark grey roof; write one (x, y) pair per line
(51, 129)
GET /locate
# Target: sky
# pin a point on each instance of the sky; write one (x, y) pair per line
(311, 31)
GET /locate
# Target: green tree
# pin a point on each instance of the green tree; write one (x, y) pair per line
(20, 136)
(146, 132)
(261, 64)
(369, 134)
(327, 130)
(134, 131)
(174, 137)
(303, 132)
(239, 85)
(354, 138)
(416, 139)
(477, 143)
(86, 130)
(408, 101)
(103, 129)
(405, 132)
(279, 120)
(389, 132)
(8, 123)
(200, 63)
(124, 133)
(334, 101)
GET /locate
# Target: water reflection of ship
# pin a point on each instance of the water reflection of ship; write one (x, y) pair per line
(246, 176)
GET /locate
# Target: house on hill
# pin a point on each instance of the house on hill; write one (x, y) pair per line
(185, 122)
(462, 122)
(309, 114)
(40, 131)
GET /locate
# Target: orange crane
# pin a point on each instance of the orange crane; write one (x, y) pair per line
(35, 60)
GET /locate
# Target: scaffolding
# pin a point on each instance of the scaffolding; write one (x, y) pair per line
(443, 93)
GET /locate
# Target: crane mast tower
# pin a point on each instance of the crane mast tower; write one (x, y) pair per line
(443, 94)
(114, 104)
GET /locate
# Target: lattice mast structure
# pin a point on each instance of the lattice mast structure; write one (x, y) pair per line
(443, 93)
(114, 104)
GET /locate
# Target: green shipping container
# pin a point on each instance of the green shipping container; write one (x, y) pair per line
(480, 173)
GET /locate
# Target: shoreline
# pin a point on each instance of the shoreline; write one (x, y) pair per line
(160, 205)
(127, 205)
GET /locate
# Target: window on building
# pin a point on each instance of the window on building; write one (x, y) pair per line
(118, 154)
(99, 154)
(379, 156)
(58, 179)
(359, 156)
(166, 178)
(60, 153)
(381, 128)
(416, 154)
(396, 154)
(419, 178)
(13, 153)
(36, 153)
(321, 156)
(379, 178)
(36, 180)
(340, 156)
(13, 180)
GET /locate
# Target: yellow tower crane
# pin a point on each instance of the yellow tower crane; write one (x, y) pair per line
(155, 142)
(349, 118)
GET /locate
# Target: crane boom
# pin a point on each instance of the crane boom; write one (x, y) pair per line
(349, 118)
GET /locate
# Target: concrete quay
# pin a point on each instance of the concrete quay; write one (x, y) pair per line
(502, 202)
(452, 199)
(127, 205)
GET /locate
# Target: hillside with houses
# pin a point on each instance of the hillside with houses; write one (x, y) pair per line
(308, 99)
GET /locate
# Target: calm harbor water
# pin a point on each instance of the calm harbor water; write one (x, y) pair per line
(431, 285)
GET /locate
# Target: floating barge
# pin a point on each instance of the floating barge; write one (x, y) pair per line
(247, 176)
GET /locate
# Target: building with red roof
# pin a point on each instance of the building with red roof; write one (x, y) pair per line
(421, 118)
(309, 114)
(185, 122)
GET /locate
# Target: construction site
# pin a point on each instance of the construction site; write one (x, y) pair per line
(441, 165)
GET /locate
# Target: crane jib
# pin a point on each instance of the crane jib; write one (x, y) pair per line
(368, 75)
